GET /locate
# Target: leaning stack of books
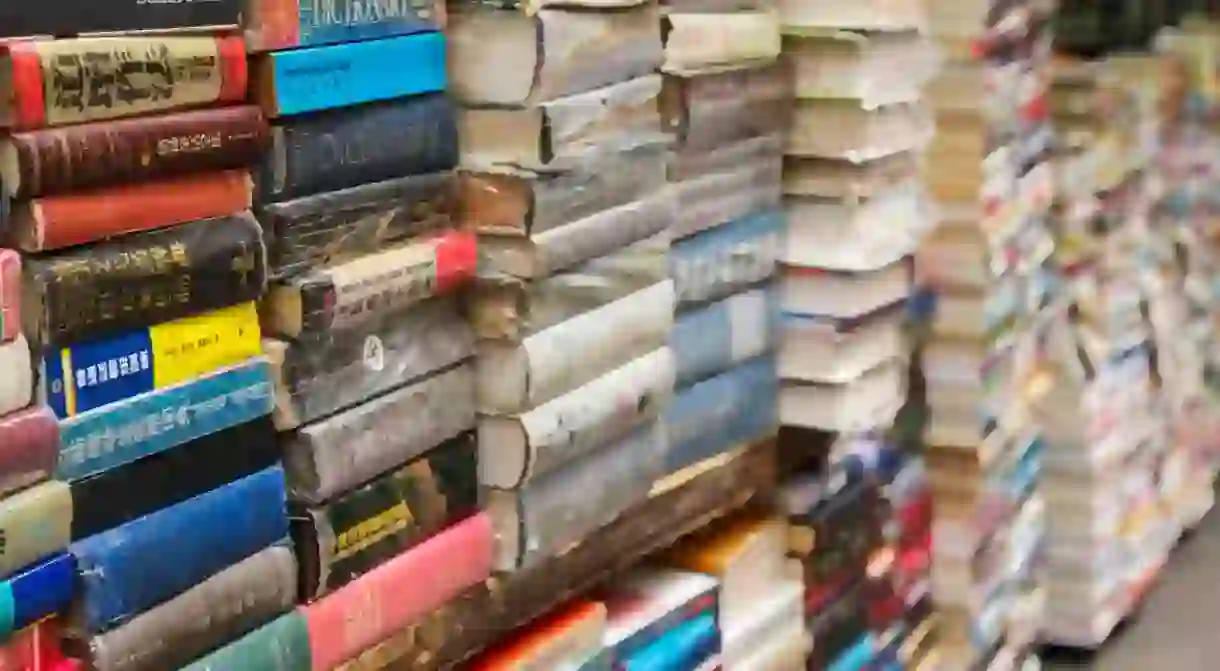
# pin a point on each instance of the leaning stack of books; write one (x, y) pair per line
(990, 264)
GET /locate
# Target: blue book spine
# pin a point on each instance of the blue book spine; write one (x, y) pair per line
(133, 349)
(684, 648)
(726, 259)
(102, 439)
(723, 413)
(710, 340)
(342, 75)
(344, 21)
(35, 592)
(128, 570)
(857, 657)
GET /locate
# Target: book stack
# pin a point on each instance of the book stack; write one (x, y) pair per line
(990, 266)
(564, 159)
(729, 103)
(126, 177)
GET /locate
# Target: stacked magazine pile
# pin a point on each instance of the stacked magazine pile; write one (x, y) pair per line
(989, 264)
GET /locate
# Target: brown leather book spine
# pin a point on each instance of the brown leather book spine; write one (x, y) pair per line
(100, 154)
(55, 222)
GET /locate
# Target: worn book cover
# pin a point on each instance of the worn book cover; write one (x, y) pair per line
(842, 129)
(721, 414)
(68, 17)
(272, 25)
(714, 109)
(709, 340)
(283, 641)
(800, 17)
(874, 68)
(16, 390)
(726, 259)
(701, 42)
(10, 292)
(29, 448)
(726, 184)
(36, 593)
(837, 351)
(869, 402)
(34, 523)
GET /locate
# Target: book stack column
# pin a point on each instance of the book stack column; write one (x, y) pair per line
(856, 212)
(371, 355)
(564, 160)
(985, 366)
(142, 265)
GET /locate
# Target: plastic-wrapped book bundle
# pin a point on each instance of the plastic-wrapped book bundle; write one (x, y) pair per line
(984, 365)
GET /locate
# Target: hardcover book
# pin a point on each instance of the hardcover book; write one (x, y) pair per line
(693, 164)
(838, 351)
(712, 339)
(692, 645)
(29, 448)
(726, 259)
(843, 130)
(222, 608)
(312, 79)
(514, 377)
(89, 375)
(125, 151)
(846, 181)
(340, 226)
(35, 593)
(350, 147)
(648, 603)
(61, 82)
(10, 292)
(816, 292)
(722, 414)
(64, 17)
(715, 109)
(875, 68)
(369, 291)
(740, 180)
(287, 24)
(320, 376)
(34, 523)
(142, 279)
(16, 390)
(126, 571)
(281, 643)
(361, 529)
(570, 638)
(701, 42)
(800, 17)
(518, 448)
(117, 434)
(871, 401)
(548, 55)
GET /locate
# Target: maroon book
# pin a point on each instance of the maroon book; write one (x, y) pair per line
(29, 448)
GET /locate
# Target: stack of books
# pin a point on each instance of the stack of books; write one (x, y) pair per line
(990, 264)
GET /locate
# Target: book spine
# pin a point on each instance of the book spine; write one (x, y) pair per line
(289, 24)
(316, 378)
(142, 279)
(342, 75)
(87, 376)
(10, 293)
(58, 82)
(708, 201)
(222, 608)
(337, 227)
(373, 288)
(37, 591)
(699, 42)
(281, 644)
(341, 451)
(70, 17)
(112, 498)
(399, 592)
(723, 413)
(359, 145)
(687, 645)
(29, 448)
(727, 258)
(130, 151)
(714, 110)
(128, 570)
(364, 528)
(36, 646)
(16, 388)
(715, 338)
(616, 117)
(34, 523)
(120, 433)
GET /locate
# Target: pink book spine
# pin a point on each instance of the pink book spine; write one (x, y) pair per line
(385, 600)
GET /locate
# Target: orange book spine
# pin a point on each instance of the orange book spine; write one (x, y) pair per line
(54, 222)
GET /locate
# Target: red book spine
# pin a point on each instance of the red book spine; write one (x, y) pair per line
(10, 295)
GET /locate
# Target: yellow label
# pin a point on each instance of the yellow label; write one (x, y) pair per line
(189, 348)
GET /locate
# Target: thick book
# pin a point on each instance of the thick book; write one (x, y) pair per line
(10, 292)
(802, 18)
(280, 644)
(543, 254)
(726, 259)
(816, 292)
(17, 389)
(837, 351)
(126, 571)
(355, 532)
(339, 226)
(868, 402)
(646, 604)
(711, 339)
(36, 592)
(312, 79)
(511, 58)
(224, 607)
(875, 69)
(142, 279)
(66, 17)
(514, 449)
(845, 131)
(372, 289)
(349, 147)
(58, 82)
(715, 109)
(570, 638)
(89, 375)
(692, 645)
(29, 448)
(321, 376)
(112, 498)
(399, 592)
(34, 523)
(513, 377)
(727, 183)
(35, 646)
(117, 434)
(334, 455)
(271, 25)
(703, 42)
(555, 512)
(57, 221)
(722, 414)
(108, 153)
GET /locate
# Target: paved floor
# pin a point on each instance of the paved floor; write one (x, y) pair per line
(1179, 628)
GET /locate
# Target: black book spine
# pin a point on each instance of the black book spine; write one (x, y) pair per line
(74, 17)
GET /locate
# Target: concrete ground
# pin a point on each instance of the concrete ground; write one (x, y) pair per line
(1179, 627)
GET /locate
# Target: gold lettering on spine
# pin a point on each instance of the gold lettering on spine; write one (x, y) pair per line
(107, 77)
(339, 13)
